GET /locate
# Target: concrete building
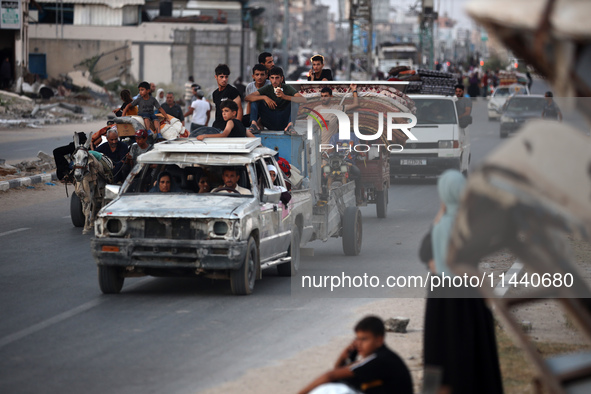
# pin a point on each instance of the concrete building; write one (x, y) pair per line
(14, 24)
(135, 40)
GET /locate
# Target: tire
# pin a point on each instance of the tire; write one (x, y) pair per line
(503, 135)
(382, 204)
(291, 268)
(242, 280)
(352, 231)
(76, 213)
(110, 279)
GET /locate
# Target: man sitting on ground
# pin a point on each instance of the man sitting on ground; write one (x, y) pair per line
(275, 112)
(230, 178)
(234, 127)
(379, 370)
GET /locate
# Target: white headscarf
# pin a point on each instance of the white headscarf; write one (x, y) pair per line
(271, 167)
(160, 100)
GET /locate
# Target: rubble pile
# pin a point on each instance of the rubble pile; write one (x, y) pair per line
(44, 163)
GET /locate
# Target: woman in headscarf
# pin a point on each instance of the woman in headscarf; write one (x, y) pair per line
(459, 334)
(160, 96)
(165, 184)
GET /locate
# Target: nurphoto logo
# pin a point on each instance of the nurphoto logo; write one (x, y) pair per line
(345, 128)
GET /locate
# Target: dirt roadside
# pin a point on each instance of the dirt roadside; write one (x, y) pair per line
(549, 325)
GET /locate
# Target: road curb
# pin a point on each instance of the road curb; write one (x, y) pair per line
(27, 181)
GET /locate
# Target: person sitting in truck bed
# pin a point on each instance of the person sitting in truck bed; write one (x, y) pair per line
(234, 127)
(230, 177)
(276, 111)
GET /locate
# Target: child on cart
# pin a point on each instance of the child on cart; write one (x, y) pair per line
(146, 105)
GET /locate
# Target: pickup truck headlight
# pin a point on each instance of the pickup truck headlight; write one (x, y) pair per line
(115, 227)
(220, 228)
(448, 144)
(506, 119)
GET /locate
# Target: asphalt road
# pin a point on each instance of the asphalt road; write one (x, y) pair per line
(167, 335)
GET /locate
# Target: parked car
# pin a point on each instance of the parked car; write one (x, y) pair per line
(518, 110)
(499, 97)
(442, 144)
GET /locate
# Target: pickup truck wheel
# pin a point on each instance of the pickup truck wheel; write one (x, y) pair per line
(76, 213)
(291, 268)
(242, 279)
(352, 231)
(382, 203)
(110, 279)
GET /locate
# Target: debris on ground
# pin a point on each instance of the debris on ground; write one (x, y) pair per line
(44, 163)
(397, 324)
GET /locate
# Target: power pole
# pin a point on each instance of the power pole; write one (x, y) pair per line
(360, 37)
(427, 21)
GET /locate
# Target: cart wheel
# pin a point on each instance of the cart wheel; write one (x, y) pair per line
(382, 203)
(76, 213)
(352, 231)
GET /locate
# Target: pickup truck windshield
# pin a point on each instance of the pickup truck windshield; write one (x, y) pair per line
(435, 111)
(170, 178)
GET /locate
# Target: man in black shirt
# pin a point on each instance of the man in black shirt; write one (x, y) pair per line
(116, 151)
(317, 73)
(378, 371)
(222, 93)
(172, 108)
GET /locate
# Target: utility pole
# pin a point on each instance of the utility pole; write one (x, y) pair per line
(427, 21)
(360, 37)
(285, 55)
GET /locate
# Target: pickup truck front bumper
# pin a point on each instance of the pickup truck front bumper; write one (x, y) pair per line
(167, 253)
(400, 165)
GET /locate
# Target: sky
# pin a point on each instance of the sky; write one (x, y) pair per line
(454, 8)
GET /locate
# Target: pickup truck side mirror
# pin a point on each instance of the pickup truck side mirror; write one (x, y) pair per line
(271, 196)
(111, 192)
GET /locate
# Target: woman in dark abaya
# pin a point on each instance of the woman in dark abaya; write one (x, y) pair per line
(459, 335)
(474, 86)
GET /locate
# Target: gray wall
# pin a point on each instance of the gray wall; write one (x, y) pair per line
(197, 53)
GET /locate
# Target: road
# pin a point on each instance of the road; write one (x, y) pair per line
(18, 144)
(170, 335)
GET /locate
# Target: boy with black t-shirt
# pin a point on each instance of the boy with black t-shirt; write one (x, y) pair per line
(318, 73)
(223, 93)
(234, 127)
(378, 371)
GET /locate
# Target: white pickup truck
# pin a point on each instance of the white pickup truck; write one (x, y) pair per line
(182, 232)
(441, 142)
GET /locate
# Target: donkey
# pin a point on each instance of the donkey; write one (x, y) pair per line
(91, 176)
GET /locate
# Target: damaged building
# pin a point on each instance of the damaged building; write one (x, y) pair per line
(133, 40)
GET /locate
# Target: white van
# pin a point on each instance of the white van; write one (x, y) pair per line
(441, 143)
